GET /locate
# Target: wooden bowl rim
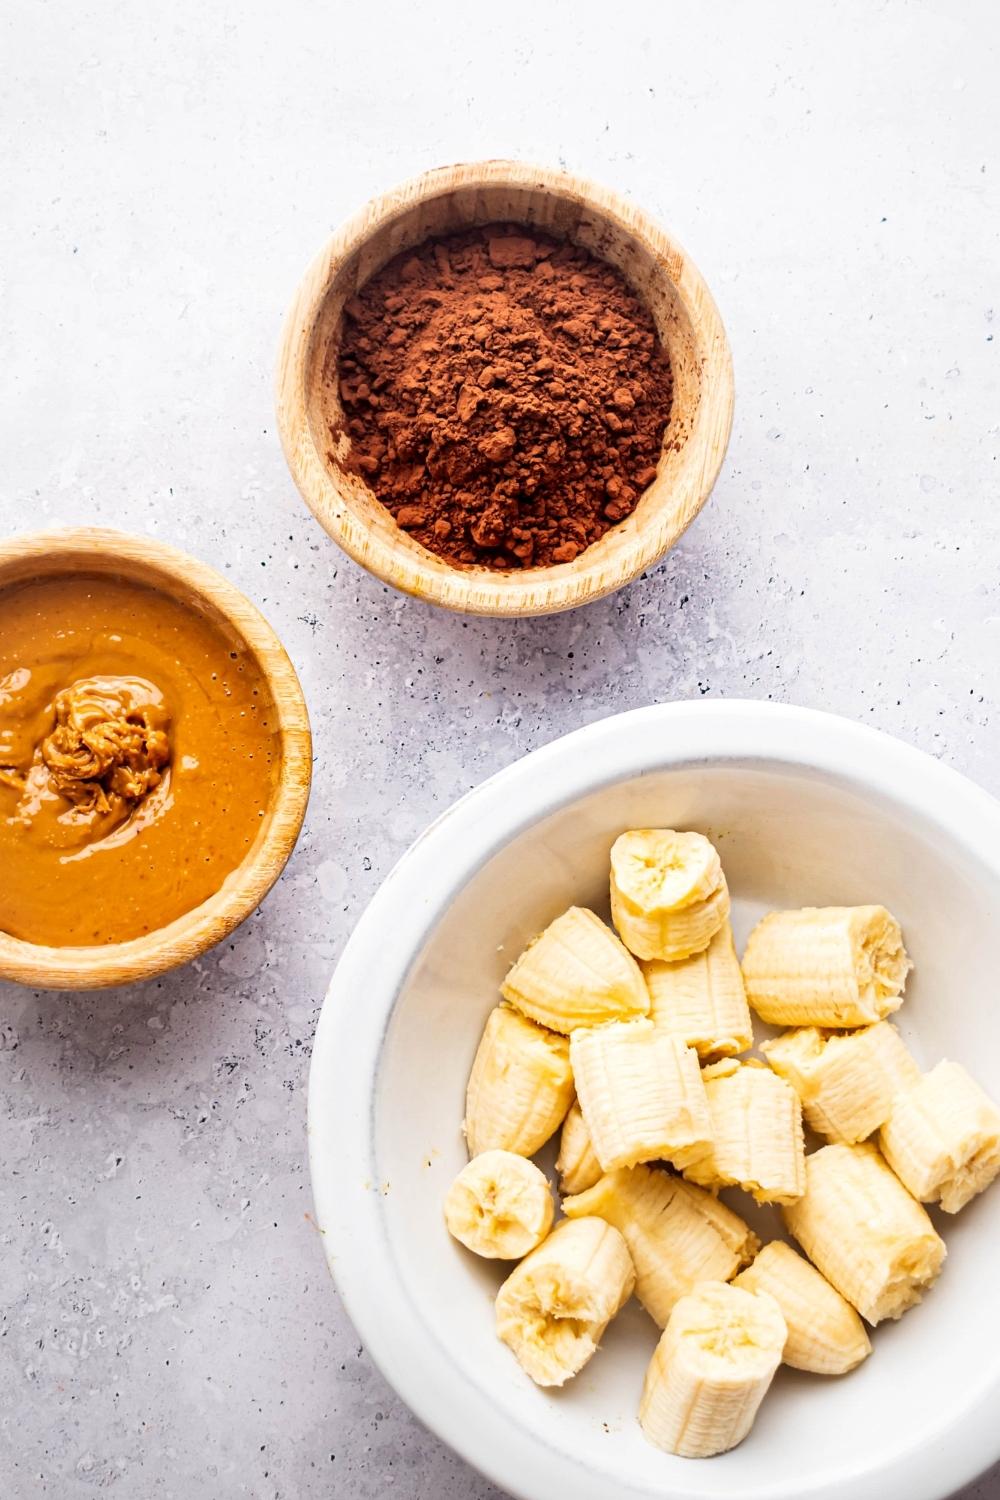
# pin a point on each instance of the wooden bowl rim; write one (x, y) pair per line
(480, 590)
(85, 968)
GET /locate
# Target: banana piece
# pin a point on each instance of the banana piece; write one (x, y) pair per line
(668, 893)
(942, 1138)
(576, 973)
(701, 999)
(711, 1370)
(576, 1163)
(500, 1206)
(520, 1087)
(677, 1235)
(862, 1229)
(757, 1139)
(641, 1094)
(846, 1080)
(731, 1229)
(554, 1307)
(837, 966)
(825, 1334)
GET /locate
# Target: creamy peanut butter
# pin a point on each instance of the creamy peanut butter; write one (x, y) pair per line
(138, 752)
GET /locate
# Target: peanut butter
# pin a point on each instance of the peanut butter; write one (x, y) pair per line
(138, 752)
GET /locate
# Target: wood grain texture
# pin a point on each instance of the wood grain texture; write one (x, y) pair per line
(195, 584)
(614, 230)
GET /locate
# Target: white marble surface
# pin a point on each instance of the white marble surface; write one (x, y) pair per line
(167, 1326)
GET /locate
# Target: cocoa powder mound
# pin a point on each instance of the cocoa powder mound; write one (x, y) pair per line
(505, 394)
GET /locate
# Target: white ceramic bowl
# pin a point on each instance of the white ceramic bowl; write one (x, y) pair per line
(805, 809)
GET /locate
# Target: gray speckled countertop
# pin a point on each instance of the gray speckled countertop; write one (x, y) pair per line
(167, 1324)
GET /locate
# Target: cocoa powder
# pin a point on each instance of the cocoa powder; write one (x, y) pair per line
(505, 394)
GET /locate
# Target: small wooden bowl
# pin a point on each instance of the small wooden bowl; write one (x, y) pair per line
(200, 587)
(612, 229)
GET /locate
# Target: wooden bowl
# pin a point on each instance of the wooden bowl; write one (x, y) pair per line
(200, 587)
(669, 283)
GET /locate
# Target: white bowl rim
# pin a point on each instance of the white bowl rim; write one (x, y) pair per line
(346, 1054)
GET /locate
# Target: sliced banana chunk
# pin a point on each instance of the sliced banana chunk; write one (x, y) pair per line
(825, 1334)
(757, 1141)
(701, 999)
(668, 894)
(836, 966)
(641, 1094)
(554, 1307)
(846, 1080)
(859, 1225)
(942, 1138)
(711, 1370)
(520, 1087)
(576, 1163)
(500, 1206)
(733, 1230)
(576, 973)
(677, 1234)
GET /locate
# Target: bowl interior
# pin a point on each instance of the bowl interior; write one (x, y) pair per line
(787, 837)
(654, 270)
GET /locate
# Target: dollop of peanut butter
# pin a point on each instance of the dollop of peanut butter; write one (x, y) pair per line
(104, 749)
(106, 744)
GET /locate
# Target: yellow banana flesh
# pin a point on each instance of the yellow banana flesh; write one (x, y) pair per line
(857, 1223)
(711, 1370)
(520, 1087)
(825, 1334)
(576, 1163)
(641, 1094)
(677, 1235)
(668, 894)
(499, 1206)
(757, 1141)
(845, 1080)
(554, 1307)
(731, 1229)
(658, 869)
(942, 1138)
(835, 966)
(701, 999)
(576, 973)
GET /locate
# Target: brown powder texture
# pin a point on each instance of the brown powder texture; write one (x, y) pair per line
(505, 394)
